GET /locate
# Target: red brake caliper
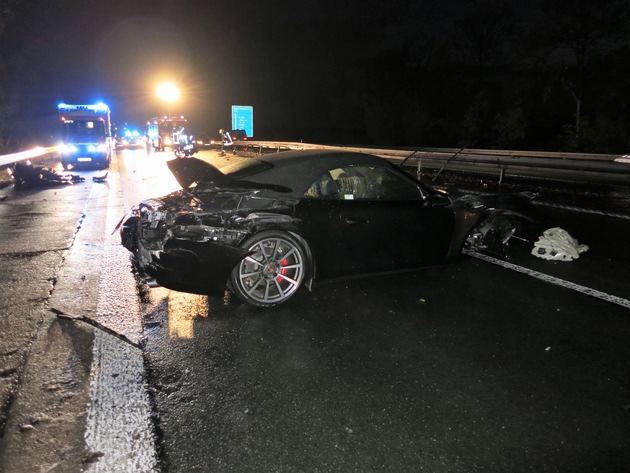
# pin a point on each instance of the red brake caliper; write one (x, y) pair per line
(284, 262)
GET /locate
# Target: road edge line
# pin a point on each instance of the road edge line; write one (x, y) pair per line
(553, 280)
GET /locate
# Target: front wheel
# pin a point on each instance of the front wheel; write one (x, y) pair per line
(273, 272)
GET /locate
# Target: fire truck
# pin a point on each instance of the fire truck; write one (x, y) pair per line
(86, 134)
(164, 132)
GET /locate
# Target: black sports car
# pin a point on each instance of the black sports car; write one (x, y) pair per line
(264, 227)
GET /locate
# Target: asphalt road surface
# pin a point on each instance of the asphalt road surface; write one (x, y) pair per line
(472, 367)
(483, 366)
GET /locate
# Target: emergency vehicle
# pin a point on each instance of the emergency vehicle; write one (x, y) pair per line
(164, 132)
(86, 135)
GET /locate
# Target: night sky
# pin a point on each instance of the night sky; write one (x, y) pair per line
(285, 58)
(417, 72)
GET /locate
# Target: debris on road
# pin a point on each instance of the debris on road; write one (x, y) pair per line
(102, 178)
(26, 175)
(556, 244)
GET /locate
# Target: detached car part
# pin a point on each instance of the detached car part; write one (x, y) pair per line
(25, 174)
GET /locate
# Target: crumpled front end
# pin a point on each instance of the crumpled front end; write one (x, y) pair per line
(185, 247)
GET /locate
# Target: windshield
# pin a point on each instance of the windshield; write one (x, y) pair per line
(171, 125)
(83, 129)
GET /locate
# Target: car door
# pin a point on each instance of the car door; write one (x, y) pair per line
(324, 232)
(394, 235)
(374, 220)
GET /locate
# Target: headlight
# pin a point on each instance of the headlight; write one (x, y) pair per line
(102, 147)
(69, 149)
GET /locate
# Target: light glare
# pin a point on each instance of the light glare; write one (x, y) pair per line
(168, 92)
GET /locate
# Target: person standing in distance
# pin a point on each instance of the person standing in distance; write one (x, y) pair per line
(226, 141)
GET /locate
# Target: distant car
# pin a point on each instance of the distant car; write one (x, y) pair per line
(238, 135)
(129, 139)
(202, 140)
(266, 226)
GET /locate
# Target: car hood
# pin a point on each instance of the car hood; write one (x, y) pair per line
(192, 171)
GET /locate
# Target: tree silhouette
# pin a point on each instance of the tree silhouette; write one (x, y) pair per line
(577, 31)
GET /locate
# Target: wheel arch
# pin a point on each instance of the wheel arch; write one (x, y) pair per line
(309, 275)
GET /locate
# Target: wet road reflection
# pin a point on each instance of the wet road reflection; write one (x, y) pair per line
(146, 175)
(183, 309)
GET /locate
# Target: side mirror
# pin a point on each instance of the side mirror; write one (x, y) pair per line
(437, 200)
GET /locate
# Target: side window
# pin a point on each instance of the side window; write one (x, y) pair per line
(362, 183)
(323, 188)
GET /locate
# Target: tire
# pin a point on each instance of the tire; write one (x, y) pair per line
(273, 273)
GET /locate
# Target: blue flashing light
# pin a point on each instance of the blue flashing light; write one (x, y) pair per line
(99, 107)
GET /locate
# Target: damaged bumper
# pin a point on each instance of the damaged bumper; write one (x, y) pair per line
(201, 268)
(184, 265)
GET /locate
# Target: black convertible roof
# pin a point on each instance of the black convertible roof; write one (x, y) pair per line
(298, 169)
(289, 172)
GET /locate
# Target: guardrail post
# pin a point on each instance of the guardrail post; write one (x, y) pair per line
(419, 170)
(501, 175)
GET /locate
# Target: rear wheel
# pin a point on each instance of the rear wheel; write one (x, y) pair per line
(273, 273)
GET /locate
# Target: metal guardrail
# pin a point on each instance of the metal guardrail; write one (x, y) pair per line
(34, 153)
(570, 167)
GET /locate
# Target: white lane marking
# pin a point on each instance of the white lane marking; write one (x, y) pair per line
(553, 280)
(541, 203)
(582, 210)
(119, 431)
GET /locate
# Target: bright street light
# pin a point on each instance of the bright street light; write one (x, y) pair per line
(169, 93)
